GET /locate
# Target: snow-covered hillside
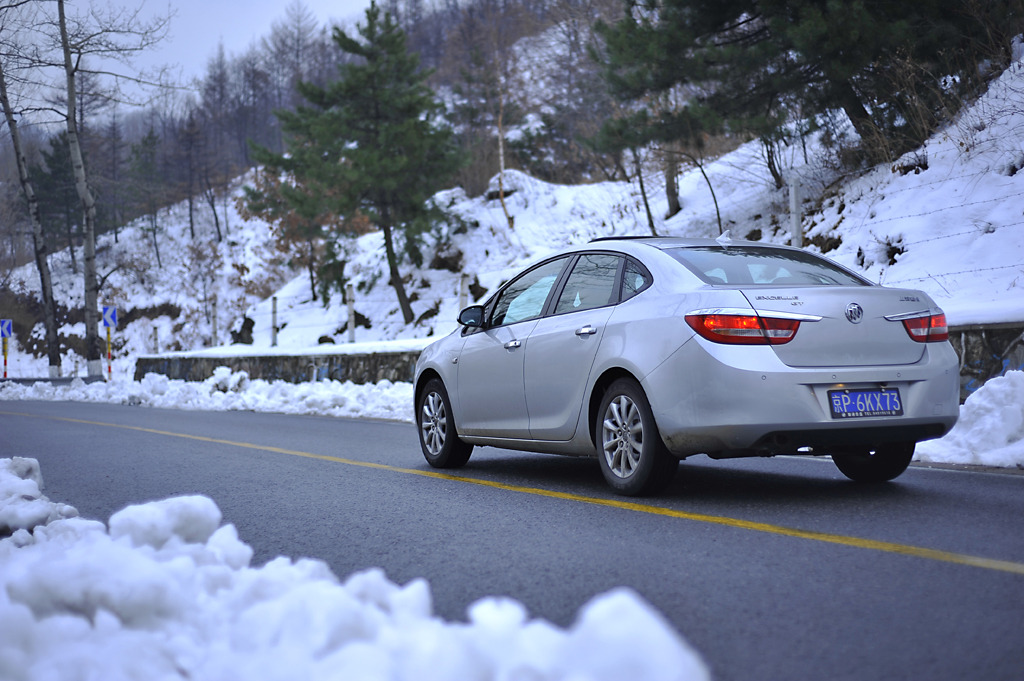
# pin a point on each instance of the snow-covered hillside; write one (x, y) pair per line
(948, 218)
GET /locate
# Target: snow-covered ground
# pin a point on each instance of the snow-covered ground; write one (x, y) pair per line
(164, 591)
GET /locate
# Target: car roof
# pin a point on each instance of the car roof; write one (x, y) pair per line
(668, 242)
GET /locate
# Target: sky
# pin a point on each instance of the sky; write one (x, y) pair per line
(198, 26)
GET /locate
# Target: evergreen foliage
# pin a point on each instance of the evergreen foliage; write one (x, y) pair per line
(896, 69)
(60, 211)
(370, 143)
(146, 185)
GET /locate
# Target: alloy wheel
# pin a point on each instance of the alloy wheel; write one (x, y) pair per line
(434, 423)
(622, 436)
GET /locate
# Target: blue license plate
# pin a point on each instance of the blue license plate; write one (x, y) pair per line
(853, 404)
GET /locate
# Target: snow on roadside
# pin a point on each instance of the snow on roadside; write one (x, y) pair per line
(233, 391)
(166, 591)
(990, 431)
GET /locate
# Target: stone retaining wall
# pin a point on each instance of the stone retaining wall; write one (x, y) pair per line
(991, 350)
(368, 368)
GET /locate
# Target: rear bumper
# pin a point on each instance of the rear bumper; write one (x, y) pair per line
(740, 401)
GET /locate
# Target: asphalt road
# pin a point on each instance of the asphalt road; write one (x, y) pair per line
(772, 569)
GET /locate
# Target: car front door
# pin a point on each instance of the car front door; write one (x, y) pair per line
(491, 390)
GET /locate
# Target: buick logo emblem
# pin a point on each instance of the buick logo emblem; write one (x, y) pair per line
(854, 313)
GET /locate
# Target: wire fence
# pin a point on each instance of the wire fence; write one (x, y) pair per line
(945, 209)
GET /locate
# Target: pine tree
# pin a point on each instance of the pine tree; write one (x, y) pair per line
(146, 184)
(60, 211)
(370, 144)
(758, 64)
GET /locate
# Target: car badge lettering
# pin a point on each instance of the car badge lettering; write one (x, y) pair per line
(854, 313)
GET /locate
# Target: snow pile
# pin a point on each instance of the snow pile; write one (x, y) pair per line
(22, 504)
(233, 391)
(168, 593)
(990, 431)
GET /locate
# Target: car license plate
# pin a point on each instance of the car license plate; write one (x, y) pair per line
(852, 404)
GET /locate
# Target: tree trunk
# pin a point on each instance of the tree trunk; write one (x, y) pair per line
(771, 161)
(93, 350)
(711, 188)
(396, 277)
(156, 244)
(643, 192)
(671, 185)
(311, 266)
(501, 163)
(855, 111)
(211, 199)
(38, 240)
(69, 228)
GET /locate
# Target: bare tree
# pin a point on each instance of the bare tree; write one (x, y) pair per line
(216, 166)
(117, 35)
(481, 68)
(38, 239)
(290, 48)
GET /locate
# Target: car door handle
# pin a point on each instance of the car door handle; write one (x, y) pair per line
(587, 330)
(512, 345)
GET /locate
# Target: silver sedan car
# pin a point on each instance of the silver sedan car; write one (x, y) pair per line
(644, 351)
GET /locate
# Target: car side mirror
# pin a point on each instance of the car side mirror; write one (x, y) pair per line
(472, 316)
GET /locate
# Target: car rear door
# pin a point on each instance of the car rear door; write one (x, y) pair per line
(561, 349)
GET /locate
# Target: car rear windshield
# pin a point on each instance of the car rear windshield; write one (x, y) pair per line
(759, 265)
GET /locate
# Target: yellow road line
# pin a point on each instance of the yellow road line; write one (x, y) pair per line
(855, 542)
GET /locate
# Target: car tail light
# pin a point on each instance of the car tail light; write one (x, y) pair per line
(741, 329)
(928, 328)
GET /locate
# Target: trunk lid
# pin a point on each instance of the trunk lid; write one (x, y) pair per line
(852, 329)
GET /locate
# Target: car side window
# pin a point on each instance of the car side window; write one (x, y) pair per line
(524, 298)
(591, 283)
(634, 280)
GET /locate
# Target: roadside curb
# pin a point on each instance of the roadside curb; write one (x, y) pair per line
(973, 468)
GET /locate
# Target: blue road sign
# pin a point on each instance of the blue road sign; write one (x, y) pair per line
(5, 328)
(109, 316)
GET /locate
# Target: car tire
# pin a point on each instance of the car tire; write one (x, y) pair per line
(633, 458)
(875, 465)
(439, 439)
